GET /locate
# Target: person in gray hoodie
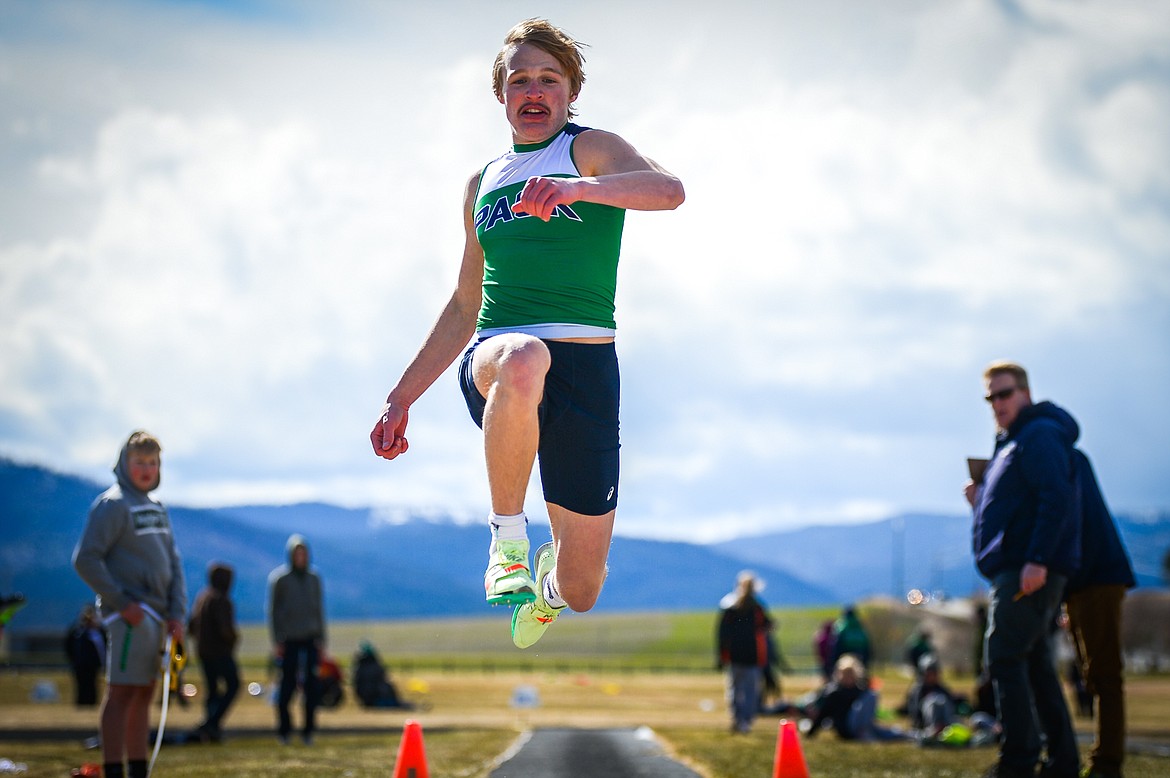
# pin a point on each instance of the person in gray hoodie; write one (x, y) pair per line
(127, 555)
(296, 622)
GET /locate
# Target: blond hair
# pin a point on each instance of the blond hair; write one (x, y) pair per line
(849, 662)
(745, 589)
(1019, 374)
(551, 40)
(142, 442)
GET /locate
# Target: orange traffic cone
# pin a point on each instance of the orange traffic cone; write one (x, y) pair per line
(412, 757)
(789, 758)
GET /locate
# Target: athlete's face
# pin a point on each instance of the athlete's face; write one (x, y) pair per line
(536, 94)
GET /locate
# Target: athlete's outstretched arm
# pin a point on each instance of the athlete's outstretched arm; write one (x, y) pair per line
(614, 173)
(442, 345)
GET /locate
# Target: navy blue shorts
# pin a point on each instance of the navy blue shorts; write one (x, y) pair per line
(578, 414)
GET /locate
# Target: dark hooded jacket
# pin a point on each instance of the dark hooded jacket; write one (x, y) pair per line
(1026, 510)
(1104, 560)
(850, 637)
(127, 550)
(743, 634)
(213, 618)
(296, 606)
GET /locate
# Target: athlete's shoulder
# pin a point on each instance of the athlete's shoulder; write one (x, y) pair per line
(591, 135)
(600, 151)
(471, 188)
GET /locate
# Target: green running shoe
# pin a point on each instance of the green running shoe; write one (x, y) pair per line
(529, 621)
(507, 580)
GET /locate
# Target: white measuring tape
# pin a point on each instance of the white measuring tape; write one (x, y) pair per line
(173, 659)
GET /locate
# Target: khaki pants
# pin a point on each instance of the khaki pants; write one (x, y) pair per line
(1094, 617)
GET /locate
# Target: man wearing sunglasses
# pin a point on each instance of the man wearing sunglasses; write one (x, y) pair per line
(1027, 543)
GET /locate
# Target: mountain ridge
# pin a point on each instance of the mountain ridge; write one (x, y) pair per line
(373, 569)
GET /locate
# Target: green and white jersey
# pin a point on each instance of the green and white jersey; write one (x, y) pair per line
(552, 279)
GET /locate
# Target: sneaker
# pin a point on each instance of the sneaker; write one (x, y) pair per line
(507, 580)
(529, 621)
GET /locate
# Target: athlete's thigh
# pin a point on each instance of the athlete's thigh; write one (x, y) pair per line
(579, 436)
(582, 542)
(492, 354)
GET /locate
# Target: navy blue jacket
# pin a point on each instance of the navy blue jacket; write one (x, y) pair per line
(1104, 559)
(743, 634)
(1026, 510)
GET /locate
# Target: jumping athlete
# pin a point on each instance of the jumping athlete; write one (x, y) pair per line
(536, 289)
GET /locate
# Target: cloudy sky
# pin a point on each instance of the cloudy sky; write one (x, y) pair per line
(233, 223)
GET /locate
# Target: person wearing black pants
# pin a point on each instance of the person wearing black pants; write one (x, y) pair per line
(296, 620)
(213, 626)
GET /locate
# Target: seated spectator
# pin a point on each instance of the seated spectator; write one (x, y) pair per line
(330, 692)
(930, 705)
(371, 683)
(849, 706)
(918, 645)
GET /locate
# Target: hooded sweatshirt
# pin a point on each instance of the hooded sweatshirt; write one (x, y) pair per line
(127, 550)
(1027, 508)
(296, 608)
(1104, 560)
(213, 619)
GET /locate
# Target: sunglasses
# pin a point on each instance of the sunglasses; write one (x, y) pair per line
(1002, 394)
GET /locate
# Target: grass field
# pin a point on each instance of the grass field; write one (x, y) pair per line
(642, 641)
(600, 671)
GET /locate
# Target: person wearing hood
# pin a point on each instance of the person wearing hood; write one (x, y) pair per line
(296, 622)
(1093, 598)
(213, 625)
(851, 637)
(1026, 540)
(127, 555)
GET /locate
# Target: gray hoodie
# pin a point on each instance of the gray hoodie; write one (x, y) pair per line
(127, 550)
(296, 609)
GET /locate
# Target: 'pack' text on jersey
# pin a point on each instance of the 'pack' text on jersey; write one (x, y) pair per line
(501, 211)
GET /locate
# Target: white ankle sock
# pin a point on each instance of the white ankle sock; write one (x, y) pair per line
(508, 527)
(551, 595)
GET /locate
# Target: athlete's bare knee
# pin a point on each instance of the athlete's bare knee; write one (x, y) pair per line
(581, 605)
(521, 370)
(580, 594)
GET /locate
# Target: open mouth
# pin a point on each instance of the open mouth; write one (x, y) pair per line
(534, 110)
